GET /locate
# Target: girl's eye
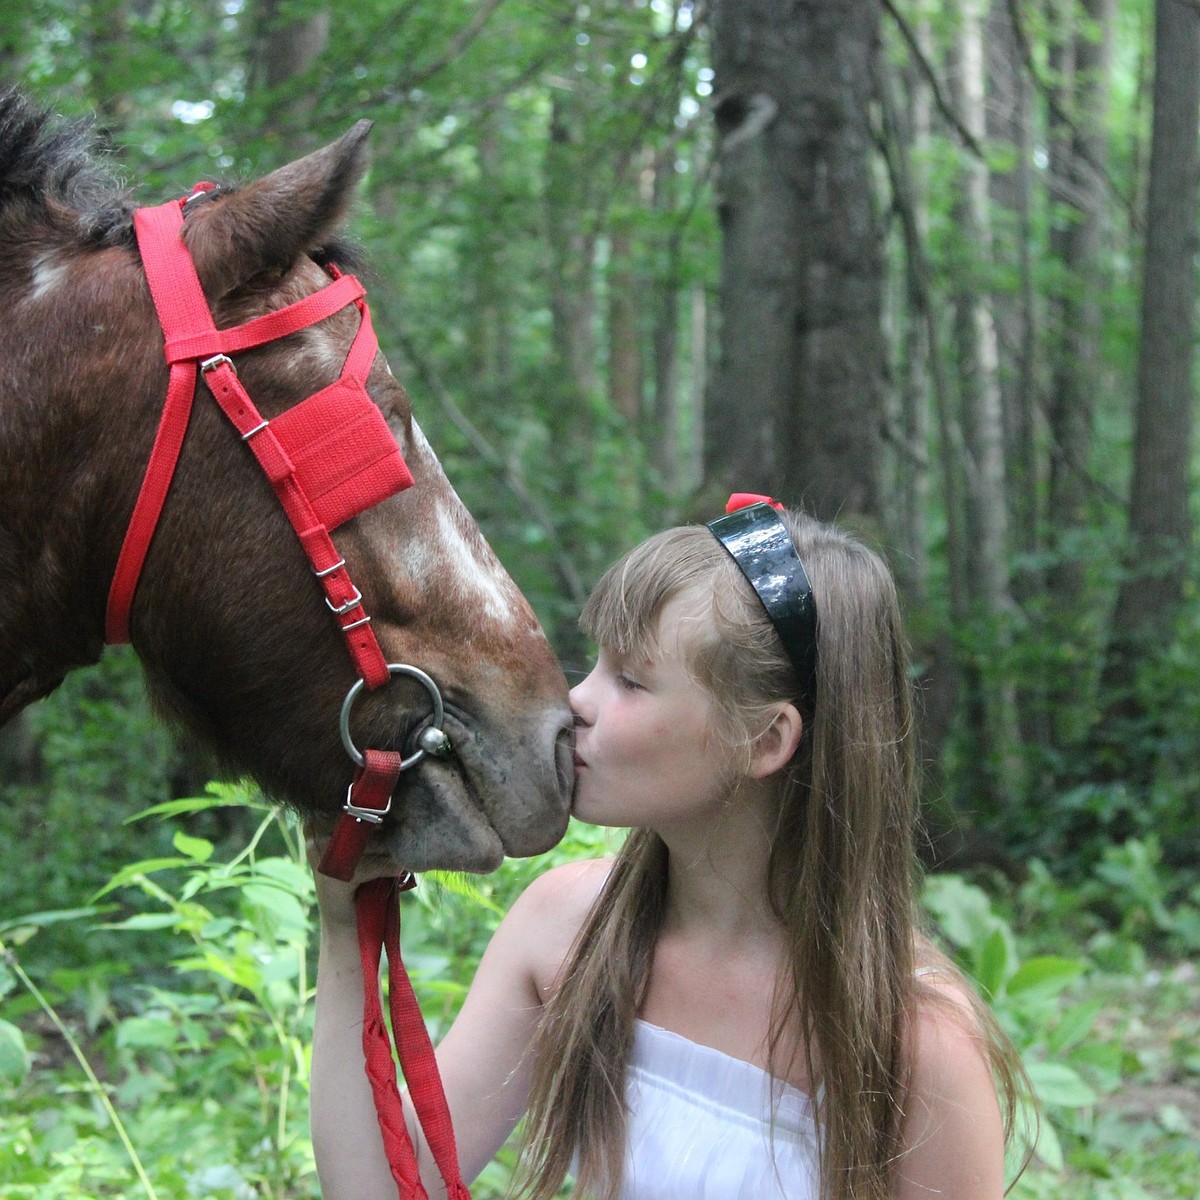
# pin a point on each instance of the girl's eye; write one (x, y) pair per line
(628, 684)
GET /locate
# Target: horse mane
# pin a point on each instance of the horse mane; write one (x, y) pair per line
(49, 164)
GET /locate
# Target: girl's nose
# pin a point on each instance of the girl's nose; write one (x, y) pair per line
(578, 701)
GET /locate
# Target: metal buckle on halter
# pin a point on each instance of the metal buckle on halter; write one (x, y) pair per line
(373, 816)
(340, 610)
(217, 360)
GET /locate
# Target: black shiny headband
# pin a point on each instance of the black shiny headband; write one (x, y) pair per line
(759, 542)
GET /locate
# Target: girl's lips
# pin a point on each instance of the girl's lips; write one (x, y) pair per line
(579, 762)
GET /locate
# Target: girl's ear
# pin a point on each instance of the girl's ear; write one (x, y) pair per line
(775, 747)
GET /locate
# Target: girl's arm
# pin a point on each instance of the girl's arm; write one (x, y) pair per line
(345, 1131)
(483, 1059)
(953, 1130)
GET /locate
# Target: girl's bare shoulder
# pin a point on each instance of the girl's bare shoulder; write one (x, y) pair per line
(561, 896)
(548, 915)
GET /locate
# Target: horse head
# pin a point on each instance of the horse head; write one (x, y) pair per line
(228, 618)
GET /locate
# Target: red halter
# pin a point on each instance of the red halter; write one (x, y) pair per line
(329, 458)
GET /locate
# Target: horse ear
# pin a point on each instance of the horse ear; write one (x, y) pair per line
(270, 223)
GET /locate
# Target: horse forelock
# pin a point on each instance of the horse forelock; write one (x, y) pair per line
(53, 167)
(50, 165)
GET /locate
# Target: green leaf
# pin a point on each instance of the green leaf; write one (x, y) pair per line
(221, 795)
(962, 910)
(147, 1033)
(199, 849)
(275, 903)
(14, 1058)
(130, 873)
(993, 962)
(1057, 1084)
(459, 884)
(1073, 1026)
(1049, 1148)
(145, 921)
(1045, 975)
(39, 920)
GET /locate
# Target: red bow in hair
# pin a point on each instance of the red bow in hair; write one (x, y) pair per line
(745, 499)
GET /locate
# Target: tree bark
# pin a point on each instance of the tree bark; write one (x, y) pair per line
(572, 250)
(287, 50)
(1077, 373)
(797, 405)
(1008, 125)
(667, 290)
(108, 42)
(1160, 528)
(624, 342)
(990, 697)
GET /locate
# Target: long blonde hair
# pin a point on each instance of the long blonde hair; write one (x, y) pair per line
(841, 871)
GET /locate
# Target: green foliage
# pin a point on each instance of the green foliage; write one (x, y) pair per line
(1081, 1023)
(515, 146)
(100, 756)
(219, 1043)
(219, 1047)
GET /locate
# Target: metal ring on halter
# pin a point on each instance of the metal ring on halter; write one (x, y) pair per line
(432, 738)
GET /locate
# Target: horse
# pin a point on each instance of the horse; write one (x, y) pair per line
(227, 619)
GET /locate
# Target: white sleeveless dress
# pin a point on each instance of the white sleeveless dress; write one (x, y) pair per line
(702, 1126)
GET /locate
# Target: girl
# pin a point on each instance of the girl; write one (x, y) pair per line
(740, 1005)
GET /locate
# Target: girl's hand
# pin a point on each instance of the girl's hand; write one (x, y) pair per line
(335, 897)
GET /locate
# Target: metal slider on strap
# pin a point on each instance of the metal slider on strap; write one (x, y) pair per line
(373, 816)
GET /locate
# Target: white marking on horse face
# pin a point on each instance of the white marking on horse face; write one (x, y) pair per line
(330, 351)
(458, 552)
(46, 274)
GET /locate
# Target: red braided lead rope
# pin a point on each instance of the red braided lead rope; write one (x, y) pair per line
(378, 909)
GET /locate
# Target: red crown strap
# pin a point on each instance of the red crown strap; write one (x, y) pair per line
(204, 342)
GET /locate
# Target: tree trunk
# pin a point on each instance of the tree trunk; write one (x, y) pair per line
(797, 406)
(1077, 376)
(990, 699)
(572, 251)
(108, 42)
(1008, 126)
(906, 126)
(624, 348)
(1160, 528)
(667, 290)
(288, 49)
(490, 316)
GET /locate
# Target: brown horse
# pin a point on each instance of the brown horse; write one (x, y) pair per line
(228, 619)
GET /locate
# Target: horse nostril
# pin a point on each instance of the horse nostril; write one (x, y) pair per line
(564, 761)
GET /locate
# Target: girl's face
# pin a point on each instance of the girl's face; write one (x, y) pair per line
(645, 751)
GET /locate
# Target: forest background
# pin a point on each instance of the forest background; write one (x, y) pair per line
(928, 268)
